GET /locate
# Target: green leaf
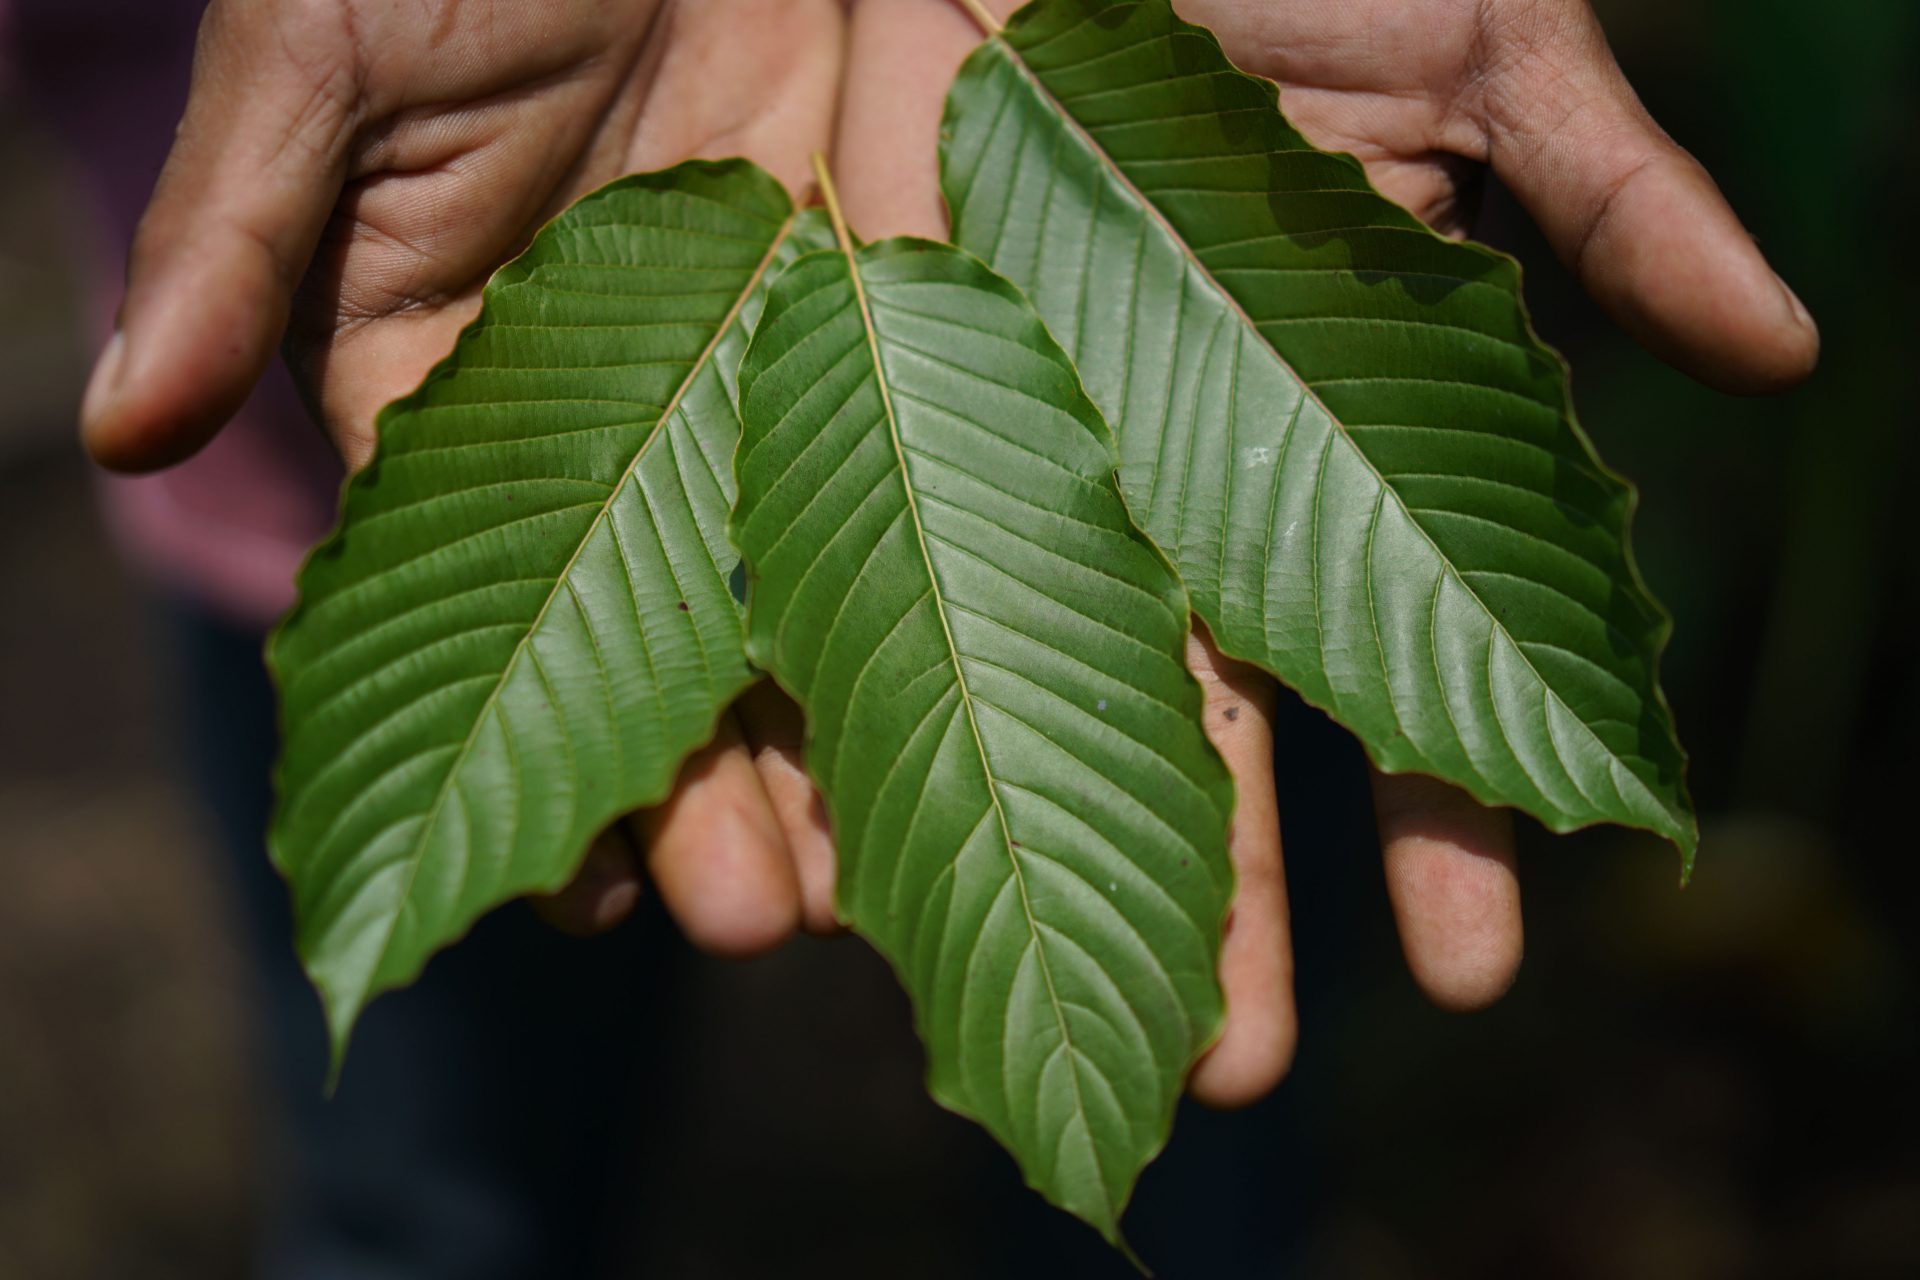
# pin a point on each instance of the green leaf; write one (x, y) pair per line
(523, 623)
(1340, 425)
(1031, 821)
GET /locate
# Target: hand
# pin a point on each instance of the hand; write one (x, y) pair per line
(354, 172)
(348, 174)
(413, 160)
(1427, 93)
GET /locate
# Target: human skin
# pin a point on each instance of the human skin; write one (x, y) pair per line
(350, 173)
(1429, 95)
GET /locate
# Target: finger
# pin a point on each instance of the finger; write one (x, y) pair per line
(1256, 959)
(1455, 893)
(233, 222)
(770, 99)
(1636, 218)
(603, 893)
(773, 729)
(718, 856)
(901, 56)
(787, 116)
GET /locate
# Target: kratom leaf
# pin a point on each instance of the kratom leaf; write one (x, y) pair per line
(1340, 425)
(1031, 822)
(523, 623)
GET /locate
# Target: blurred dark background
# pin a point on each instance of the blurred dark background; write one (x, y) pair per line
(1716, 1082)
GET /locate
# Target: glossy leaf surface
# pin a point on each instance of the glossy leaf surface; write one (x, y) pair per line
(1340, 426)
(523, 623)
(1031, 822)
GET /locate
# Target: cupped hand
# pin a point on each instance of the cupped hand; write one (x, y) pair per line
(1428, 94)
(347, 176)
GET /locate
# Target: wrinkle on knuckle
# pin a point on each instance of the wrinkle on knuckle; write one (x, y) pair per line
(1257, 874)
(286, 272)
(1523, 53)
(1604, 207)
(356, 442)
(1217, 690)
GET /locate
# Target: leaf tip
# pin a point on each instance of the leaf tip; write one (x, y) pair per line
(335, 1062)
(341, 1016)
(1684, 835)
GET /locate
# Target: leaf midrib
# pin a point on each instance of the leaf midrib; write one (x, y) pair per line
(1012, 56)
(966, 700)
(417, 856)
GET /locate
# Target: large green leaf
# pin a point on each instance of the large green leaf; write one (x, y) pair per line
(523, 623)
(1031, 821)
(1340, 425)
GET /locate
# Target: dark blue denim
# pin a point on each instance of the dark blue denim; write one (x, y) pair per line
(487, 1121)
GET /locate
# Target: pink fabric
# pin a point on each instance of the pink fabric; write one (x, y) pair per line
(228, 527)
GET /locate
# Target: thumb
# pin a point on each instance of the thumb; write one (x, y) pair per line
(1632, 214)
(240, 205)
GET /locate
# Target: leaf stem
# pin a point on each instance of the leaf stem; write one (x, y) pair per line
(982, 15)
(831, 194)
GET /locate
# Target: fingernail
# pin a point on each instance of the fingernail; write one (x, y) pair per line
(1799, 308)
(105, 382)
